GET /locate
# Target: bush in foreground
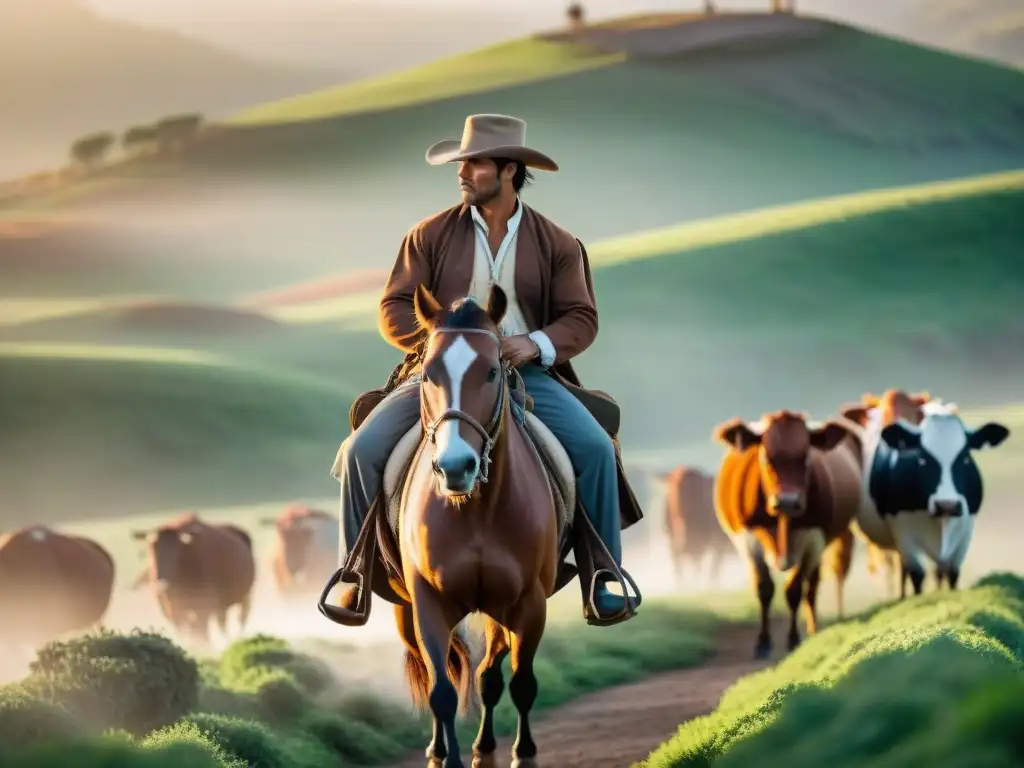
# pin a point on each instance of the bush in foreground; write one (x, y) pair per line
(266, 705)
(934, 680)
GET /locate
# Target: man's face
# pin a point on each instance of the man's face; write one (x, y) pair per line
(480, 181)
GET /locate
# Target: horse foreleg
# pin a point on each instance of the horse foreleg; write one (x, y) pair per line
(526, 622)
(434, 622)
(491, 686)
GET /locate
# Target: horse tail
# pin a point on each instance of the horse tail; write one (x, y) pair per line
(459, 668)
(459, 664)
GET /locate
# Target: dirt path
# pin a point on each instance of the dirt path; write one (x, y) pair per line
(618, 726)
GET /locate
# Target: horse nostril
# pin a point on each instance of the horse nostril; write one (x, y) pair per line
(470, 464)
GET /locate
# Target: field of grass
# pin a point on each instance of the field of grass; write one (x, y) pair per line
(726, 320)
(99, 431)
(263, 704)
(932, 681)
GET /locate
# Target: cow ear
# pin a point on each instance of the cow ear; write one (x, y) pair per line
(990, 435)
(828, 436)
(737, 434)
(856, 413)
(921, 398)
(870, 400)
(898, 435)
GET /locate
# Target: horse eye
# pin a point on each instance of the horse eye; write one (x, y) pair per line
(492, 374)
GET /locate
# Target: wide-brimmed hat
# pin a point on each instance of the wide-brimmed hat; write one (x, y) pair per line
(490, 136)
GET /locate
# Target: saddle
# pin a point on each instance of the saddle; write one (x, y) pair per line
(374, 565)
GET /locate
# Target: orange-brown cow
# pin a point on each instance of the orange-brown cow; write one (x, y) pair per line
(788, 492)
(51, 583)
(199, 571)
(305, 549)
(690, 522)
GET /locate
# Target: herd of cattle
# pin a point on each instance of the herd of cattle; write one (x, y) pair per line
(53, 583)
(895, 471)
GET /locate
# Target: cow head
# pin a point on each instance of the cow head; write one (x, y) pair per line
(783, 441)
(946, 474)
(167, 551)
(295, 533)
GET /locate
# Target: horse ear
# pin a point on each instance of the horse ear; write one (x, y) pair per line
(497, 304)
(427, 308)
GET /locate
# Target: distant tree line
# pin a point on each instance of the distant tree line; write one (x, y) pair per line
(167, 135)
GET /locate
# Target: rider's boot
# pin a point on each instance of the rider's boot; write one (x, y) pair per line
(605, 520)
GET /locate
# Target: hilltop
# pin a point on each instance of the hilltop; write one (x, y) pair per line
(743, 112)
(66, 71)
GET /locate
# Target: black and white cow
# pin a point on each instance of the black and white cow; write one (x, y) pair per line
(926, 487)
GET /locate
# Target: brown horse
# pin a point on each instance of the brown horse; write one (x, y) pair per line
(478, 532)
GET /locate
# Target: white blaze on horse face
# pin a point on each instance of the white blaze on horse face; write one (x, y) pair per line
(457, 360)
(944, 437)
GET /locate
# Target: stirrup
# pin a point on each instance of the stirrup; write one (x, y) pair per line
(347, 617)
(590, 612)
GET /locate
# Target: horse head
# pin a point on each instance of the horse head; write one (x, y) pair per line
(464, 387)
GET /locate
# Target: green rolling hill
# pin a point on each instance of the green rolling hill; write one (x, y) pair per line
(696, 327)
(712, 117)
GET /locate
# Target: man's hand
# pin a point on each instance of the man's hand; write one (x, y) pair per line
(519, 349)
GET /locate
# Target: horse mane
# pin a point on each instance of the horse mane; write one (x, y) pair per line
(465, 314)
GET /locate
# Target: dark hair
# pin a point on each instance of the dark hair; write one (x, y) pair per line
(522, 175)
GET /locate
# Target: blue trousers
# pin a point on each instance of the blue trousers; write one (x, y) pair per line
(361, 460)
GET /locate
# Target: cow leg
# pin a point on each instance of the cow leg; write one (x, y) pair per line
(244, 609)
(916, 573)
(794, 595)
(765, 588)
(940, 577)
(953, 574)
(811, 600)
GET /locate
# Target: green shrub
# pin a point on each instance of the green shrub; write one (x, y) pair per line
(28, 719)
(245, 664)
(137, 682)
(254, 744)
(351, 739)
(926, 681)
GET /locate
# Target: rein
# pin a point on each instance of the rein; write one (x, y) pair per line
(490, 432)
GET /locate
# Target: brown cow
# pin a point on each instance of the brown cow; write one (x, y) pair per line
(200, 570)
(305, 549)
(788, 492)
(51, 583)
(874, 413)
(690, 522)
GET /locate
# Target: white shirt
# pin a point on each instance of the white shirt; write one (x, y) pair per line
(500, 269)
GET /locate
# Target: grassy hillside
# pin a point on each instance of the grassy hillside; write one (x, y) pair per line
(699, 324)
(96, 431)
(931, 681)
(647, 142)
(91, 73)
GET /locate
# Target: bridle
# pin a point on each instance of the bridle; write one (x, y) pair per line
(493, 429)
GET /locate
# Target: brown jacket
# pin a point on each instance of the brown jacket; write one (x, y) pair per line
(553, 287)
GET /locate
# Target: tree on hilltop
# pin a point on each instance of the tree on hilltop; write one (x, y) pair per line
(90, 150)
(176, 131)
(139, 137)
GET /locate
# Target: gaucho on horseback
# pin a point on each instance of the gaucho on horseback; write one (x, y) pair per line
(491, 245)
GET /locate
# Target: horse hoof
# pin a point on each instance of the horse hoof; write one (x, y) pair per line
(435, 762)
(524, 762)
(484, 761)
